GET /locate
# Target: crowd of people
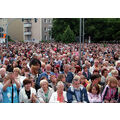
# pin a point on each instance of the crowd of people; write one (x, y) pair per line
(54, 73)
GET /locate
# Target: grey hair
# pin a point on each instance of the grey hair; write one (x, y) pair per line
(59, 83)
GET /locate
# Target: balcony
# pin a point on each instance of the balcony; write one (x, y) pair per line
(28, 40)
(27, 25)
(27, 33)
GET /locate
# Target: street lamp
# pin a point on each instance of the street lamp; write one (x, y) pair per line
(83, 34)
(80, 39)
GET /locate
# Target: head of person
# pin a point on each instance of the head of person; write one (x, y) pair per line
(6, 62)
(76, 83)
(85, 68)
(34, 69)
(2, 72)
(35, 62)
(114, 73)
(112, 82)
(27, 84)
(96, 71)
(61, 77)
(78, 69)
(48, 68)
(17, 71)
(118, 64)
(55, 69)
(9, 76)
(53, 79)
(94, 89)
(60, 87)
(66, 68)
(72, 69)
(95, 79)
(44, 84)
(104, 72)
(82, 79)
(96, 63)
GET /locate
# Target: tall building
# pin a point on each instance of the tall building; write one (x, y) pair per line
(46, 28)
(28, 29)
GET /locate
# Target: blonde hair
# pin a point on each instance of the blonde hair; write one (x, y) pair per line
(43, 81)
(60, 83)
(113, 72)
(77, 77)
(111, 79)
(17, 70)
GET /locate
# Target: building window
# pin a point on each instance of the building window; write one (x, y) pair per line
(45, 37)
(45, 29)
(49, 20)
(45, 20)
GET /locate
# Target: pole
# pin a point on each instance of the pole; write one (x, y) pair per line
(7, 37)
(83, 34)
(80, 41)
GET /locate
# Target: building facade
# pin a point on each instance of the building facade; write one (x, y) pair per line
(28, 29)
(46, 29)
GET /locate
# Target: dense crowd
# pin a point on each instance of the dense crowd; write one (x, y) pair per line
(54, 73)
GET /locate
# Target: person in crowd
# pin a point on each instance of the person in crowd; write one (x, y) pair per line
(56, 71)
(104, 73)
(1, 96)
(61, 77)
(114, 73)
(94, 95)
(83, 81)
(118, 78)
(53, 82)
(77, 93)
(10, 88)
(47, 74)
(60, 95)
(2, 74)
(17, 74)
(45, 92)
(95, 66)
(27, 93)
(95, 79)
(86, 72)
(110, 93)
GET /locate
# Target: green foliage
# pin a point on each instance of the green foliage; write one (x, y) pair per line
(99, 29)
(60, 25)
(68, 35)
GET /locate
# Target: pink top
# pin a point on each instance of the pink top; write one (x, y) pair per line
(94, 98)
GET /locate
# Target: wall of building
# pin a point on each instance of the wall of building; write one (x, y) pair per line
(15, 29)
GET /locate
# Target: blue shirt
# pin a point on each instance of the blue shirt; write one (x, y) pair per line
(7, 95)
(1, 97)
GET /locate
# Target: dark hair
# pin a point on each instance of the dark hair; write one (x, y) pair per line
(118, 77)
(27, 81)
(103, 71)
(35, 62)
(93, 76)
(97, 88)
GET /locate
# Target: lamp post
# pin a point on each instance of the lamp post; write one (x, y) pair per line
(83, 34)
(80, 39)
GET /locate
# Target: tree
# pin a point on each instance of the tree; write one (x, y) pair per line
(60, 25)
(68, 35)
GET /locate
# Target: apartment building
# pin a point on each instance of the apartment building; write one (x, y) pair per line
(46, 28)
(27, 29)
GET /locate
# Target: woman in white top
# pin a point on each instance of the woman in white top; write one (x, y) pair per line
(59, 96)
(27, 93)
(45, 92)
